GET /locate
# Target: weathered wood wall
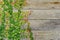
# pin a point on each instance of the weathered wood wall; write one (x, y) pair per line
(44, 19)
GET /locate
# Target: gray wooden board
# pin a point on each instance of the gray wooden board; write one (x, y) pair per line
(46, 35)
(42, 4)
(45, 25)
(45, 14)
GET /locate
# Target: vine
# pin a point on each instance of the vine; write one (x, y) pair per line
(11, 23)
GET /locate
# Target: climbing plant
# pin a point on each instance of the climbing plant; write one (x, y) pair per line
(12, 22)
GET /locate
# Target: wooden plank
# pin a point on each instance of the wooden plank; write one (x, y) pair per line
(45, 14)
(45, 25)
(46, 35)
(42, 4)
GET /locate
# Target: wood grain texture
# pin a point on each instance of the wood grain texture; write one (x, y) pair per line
(45, 25)
(42, 4)
(44, 14)
(44, 19)
(46, 35)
